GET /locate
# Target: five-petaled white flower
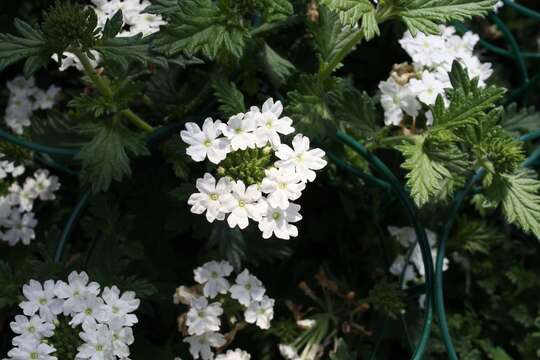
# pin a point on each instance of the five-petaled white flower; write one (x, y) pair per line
(212, 198)
(247, 288)
(234, 355)
(301, 158)
(240, 131)
(203, 317)
(212, 275)
(206, 142)
(278, 222)
(260, 312)
(245, 205)
(200, 345)
(270, 124)
(41, 298)
(282, 185)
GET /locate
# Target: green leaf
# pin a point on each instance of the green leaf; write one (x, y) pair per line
(426, 176)
(31, 45)
(122, 50)
(276, 10)
(520, 121)
(113, 25)
(331, 39)
(106, 157)
(520, 200)
(230, 98)
(352, 11)
(163, 7)
(200, 26)
(468, 102)
(356, 110)
(278, 68)
(426, 15)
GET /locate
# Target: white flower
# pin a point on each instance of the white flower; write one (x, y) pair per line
(122, 337)
(45, 99)
(260, 312)
(288, 352)
(21, 87)
(41, 298)
(21, 228)
(240, 131)
(200, 345)
(203, 317)
(18, 113)
(234, 355)
(98, 342)
(396, 99)
(9, 167)
(278, 222)
(270, 124)
(43, 185)
(245, 205)
(32, 350)
(34, 327)
(425, 50)
(22, 197)
(119, 305)
(91, 311)
(282, 185)
(247, 289)
(428, 88)
(212, 198)
(212, 275)
(306, 324)
(206, 142)
(75, 292)
(301, 158)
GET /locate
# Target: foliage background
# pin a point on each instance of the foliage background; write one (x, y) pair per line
(140, 234)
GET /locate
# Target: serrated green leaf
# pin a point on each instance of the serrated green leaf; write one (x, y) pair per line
(331, 39)
(277, 67)
(230, 98)
(426, 176)
(426, 15)
(468, 102)
(163, 7)
(199, 26)
(122, 50)
(31, 45)
(352, 11)
(356, 110)
(106, 157)
(276, 10)
(113, 25)
(520, 199)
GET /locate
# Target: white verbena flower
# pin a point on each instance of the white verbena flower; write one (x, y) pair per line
(20, 228)
(282, 185)
(303, 160)
(119, 304)
(33, 350)
(234, 355)
(33, 327)
(212, 275)
(270, 124)
(75, 292)
(397, 99)
(200, 345)
(247, 288)
(240, 131)
(212, 198)
(205, 142)
(260, 313)
(278, 222)
(203, 317)
(98, 342)
(41, 298)
(245, 205)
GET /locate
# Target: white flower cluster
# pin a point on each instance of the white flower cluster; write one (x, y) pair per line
(204, 316)
(414, 268)
(412, 87)
(136, 21)
(24, 98)
(102, 323)
(17, 221)
(268, 201)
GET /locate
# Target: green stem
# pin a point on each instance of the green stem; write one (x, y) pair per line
(137, 121)
(106, 90)
(103, 87)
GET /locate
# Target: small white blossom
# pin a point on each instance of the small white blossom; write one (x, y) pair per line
(205, 142)
(260, 312)
(234, 355)
(21, 228)
(245, 205)
(91, 310)
(203, 317)
(200, 345)
(270, 124)
(247, 289)
(33, 327)
(282, 185)
(41, 298)
(75, 292)
(213, 275)
(98, 342)
(32, 350)
(303, 160)
(278, 222)
(214, 199)
(240, 131)
(119, 305)
(46, 99)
